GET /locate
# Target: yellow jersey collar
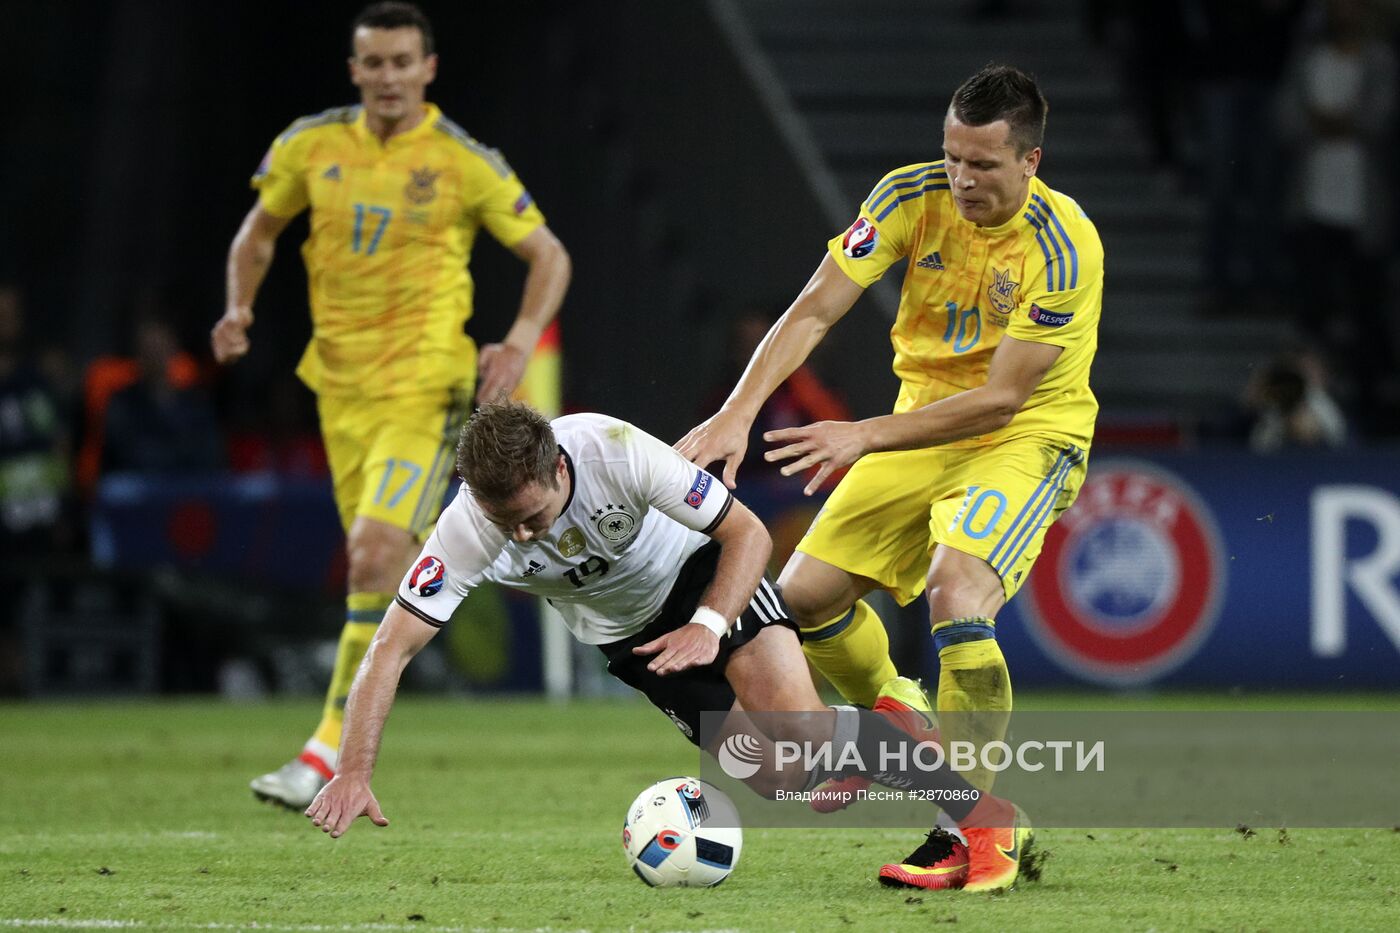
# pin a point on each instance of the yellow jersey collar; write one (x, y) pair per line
(1018, 218)
(431, 114)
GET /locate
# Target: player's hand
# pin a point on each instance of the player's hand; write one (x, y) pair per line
(341, 802)
(500, 367)
(229, 338)
(832, 444)
(691, 645)
(722, 436)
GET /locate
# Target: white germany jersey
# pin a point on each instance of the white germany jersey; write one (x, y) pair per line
(636, 511)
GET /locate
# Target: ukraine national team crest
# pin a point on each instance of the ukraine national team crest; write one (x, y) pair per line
(421, 187)
(859, 241)
(1002, 291)
(427, 577)
(1130, 578)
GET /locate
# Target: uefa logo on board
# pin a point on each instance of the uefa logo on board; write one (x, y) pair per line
(1130, 579)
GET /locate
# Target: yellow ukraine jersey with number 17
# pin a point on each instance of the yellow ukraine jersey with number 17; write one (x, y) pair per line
(392, 227)
(1037, 277)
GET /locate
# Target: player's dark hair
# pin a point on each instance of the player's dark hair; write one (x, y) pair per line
(393, 14)
(1001, 92)
(504, 447)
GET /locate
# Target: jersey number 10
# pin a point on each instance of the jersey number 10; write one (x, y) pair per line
(959, 325)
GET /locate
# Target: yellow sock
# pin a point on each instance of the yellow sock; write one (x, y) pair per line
(972, 678)
(853, 652)
(363, 613)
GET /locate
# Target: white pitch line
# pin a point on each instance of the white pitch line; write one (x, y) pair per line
(73, 925)
(64, 923)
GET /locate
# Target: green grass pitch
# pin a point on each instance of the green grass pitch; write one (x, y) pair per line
(506, 814)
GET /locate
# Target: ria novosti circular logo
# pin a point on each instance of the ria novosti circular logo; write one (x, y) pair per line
(740, 756)
(1130, 579)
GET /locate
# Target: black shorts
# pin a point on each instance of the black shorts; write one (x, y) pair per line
(684, 695)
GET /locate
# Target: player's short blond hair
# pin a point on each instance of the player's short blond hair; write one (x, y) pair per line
(504, 447)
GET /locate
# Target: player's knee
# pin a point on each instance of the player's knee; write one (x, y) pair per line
(376, 559)
(953, 597)
(943, 599)
(811, 605)
(961, 585)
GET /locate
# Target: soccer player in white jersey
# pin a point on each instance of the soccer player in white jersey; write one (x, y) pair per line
(643, 554)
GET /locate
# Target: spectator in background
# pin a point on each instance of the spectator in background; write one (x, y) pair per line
(281, 435)
(34, 444)
(1291, 408)
(103, 378)
(157, 425)
(1236, 51)
(1149, 40)
(801, 399)
(1336, 113)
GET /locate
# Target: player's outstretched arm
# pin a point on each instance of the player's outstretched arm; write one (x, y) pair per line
(1017, 368)
(828, 295)
(502, 365)
(745, 547)
(348, 797)
(249, 257)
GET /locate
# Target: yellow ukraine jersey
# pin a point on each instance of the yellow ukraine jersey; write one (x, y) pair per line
(1037, 277)
(392, 227)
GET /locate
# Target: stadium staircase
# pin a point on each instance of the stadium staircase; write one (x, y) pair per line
(860, 89)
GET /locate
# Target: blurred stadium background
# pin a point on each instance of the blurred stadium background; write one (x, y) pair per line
(1241, 529)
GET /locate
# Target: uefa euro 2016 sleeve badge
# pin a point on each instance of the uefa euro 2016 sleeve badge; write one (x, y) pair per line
(859, 241)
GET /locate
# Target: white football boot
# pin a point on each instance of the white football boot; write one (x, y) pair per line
(294, 785)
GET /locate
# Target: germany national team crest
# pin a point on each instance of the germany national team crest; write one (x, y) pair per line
(613, 522)
(1130, 579)
(422, 186)
(1002, 291)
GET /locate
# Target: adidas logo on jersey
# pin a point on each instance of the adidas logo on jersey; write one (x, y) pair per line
(931, 261)
(534, 568)
(332, 173)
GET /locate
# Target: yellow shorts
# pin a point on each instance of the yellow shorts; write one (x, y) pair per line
(892, 509)
(391, 459)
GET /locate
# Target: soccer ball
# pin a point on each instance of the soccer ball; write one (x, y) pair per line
(682, 833)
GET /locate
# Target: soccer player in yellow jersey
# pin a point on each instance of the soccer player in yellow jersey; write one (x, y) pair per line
(398, 194)
(952, 493)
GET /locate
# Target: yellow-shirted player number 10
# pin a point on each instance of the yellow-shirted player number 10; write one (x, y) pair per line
(969, 513)
(959, 323)
(357, 237)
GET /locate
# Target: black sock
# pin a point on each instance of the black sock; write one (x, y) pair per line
(873, 735)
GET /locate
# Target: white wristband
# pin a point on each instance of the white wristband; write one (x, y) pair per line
(712, 620)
